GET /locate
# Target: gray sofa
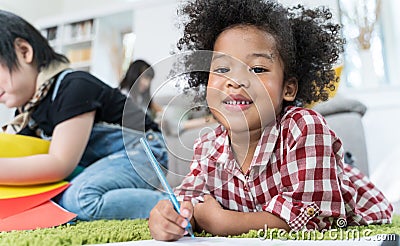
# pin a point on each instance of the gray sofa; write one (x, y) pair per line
(343, 115)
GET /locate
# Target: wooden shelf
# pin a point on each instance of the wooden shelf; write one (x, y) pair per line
(92, 43)
(78, 42)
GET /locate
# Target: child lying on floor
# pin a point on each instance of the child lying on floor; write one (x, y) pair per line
(270, 162)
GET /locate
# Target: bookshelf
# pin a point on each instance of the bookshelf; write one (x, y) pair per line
(92, 43)
(75, 40)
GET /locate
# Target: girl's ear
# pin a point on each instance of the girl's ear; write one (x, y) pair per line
(23, 50)
(290, 89)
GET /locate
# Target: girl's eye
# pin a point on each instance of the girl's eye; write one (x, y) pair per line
(221, 70)
(258, 70)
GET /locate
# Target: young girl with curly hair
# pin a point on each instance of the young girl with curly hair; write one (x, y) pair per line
(271, 161)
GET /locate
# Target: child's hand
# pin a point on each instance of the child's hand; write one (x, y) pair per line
(166, 224)
(208, 213)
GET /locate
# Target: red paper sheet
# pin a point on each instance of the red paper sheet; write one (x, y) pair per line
(45, 215)
(12, 206)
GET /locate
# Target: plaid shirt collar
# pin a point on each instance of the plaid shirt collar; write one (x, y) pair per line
(222, 153)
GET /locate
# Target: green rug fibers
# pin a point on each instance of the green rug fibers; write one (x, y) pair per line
(96, 232)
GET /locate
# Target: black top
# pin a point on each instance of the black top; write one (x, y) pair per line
(80, 92)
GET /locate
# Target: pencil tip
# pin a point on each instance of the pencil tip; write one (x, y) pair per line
(190, 231)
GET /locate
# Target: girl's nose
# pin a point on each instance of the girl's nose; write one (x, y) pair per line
(240, 81)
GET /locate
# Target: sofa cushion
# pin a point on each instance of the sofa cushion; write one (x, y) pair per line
(340, 104)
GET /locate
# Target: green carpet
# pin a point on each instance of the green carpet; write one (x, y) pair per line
(128, 230)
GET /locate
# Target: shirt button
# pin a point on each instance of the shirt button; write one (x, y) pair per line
(150, 137)
(245, 188)
(310, 211)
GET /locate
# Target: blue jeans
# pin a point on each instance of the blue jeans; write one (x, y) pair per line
(117, 183)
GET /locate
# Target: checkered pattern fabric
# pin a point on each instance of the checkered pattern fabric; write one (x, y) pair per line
(297, 173)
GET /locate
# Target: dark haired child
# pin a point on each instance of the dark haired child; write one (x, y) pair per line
(270, 162)
(136, 85)
(82, 116)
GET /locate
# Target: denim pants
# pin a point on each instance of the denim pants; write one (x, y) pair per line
(118, 181)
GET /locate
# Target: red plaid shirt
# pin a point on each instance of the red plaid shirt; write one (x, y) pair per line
(297, 173)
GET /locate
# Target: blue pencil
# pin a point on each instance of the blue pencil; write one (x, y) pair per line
(164, 182)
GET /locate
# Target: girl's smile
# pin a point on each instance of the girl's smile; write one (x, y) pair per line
(237, 102)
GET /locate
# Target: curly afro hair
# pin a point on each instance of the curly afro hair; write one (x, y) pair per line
(307, 42)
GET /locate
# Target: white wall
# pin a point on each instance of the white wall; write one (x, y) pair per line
(391, 29)
(156, 34)
(32, 10)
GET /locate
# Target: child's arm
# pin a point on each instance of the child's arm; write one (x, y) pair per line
(166, 224)
(211, 217)
(68, 143)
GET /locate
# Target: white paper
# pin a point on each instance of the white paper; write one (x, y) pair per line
(221, 241)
